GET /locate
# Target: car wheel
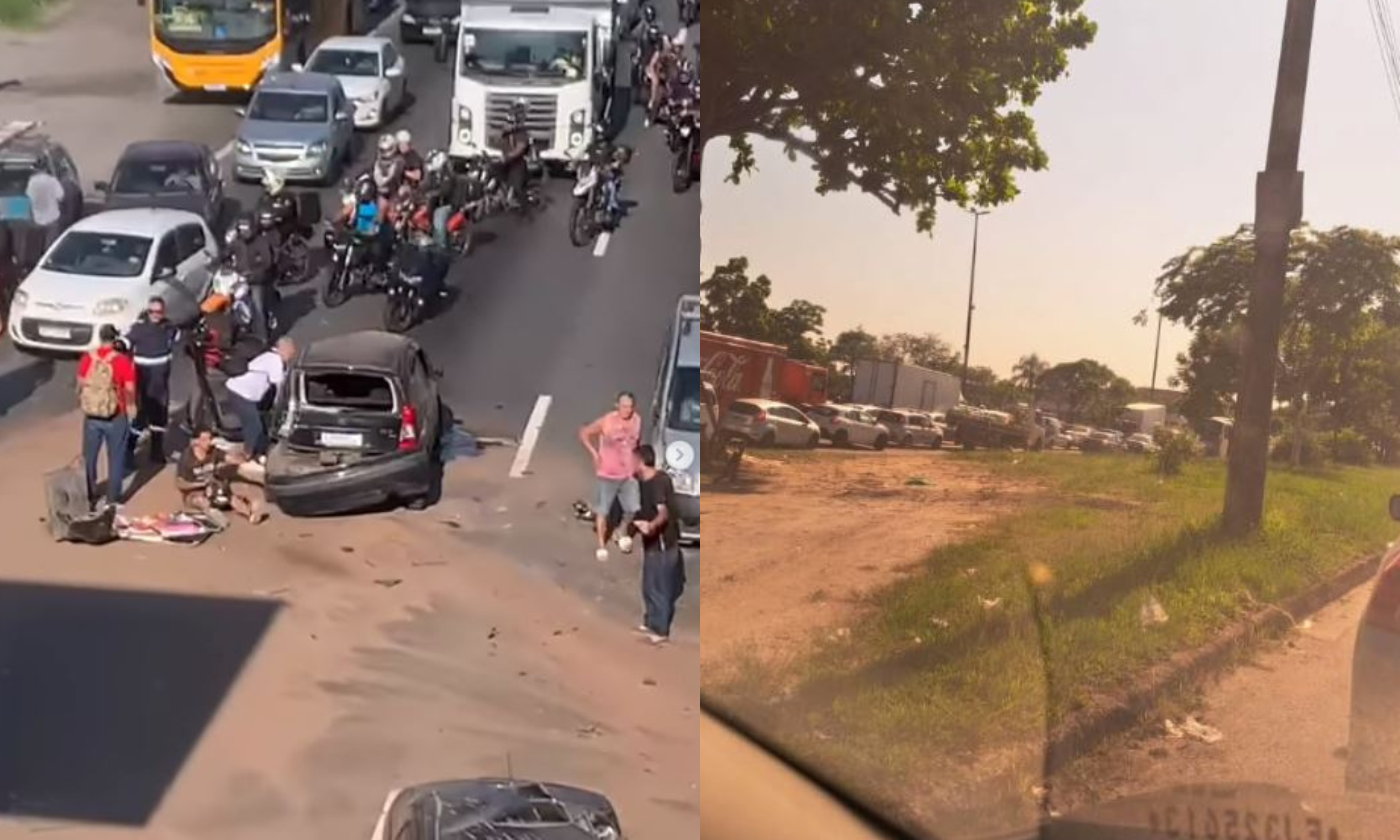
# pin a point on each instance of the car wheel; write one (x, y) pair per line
(881, 442)
(937, 443)
(908, 442)
(841, 439)
(813, 441)
(768, 440)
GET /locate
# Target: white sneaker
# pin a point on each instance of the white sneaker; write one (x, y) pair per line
(601, 555)
(625, 543)
(658, 640)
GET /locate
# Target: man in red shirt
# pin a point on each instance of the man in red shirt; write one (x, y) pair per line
(107, 396)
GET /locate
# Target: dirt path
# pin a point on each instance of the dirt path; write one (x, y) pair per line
(797, 546)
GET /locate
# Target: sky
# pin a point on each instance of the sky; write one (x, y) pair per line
(1154, 138)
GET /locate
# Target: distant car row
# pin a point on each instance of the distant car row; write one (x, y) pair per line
(1087, 439)
(775, 424)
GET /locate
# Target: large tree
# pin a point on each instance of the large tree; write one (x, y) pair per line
(1027, 373)
(1087, 391)
(912, 103)
(734, 304)
(851, 346)
(926, 350)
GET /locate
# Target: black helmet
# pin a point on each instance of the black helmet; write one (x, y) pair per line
(365, 190)
(649, 13)
(246, 225)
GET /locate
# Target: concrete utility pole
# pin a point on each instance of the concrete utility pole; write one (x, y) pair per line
(1278, 209)
(971, 287)
(1156, 353)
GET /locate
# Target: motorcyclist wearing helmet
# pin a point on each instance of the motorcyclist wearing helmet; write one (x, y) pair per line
(515, 165)
(251, 254)
(683, 93)
(439, 193)
(365, 218)
(277, 209)
(412, 161)
(388, 169)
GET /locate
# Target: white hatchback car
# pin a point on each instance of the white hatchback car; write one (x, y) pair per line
(104, 269)
(771, 423)
(372, 72)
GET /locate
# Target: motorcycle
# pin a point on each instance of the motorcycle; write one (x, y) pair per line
(684, 140)
(281, 218)
(352, 268)
(596, 181)
(414, 283)
(233, 285)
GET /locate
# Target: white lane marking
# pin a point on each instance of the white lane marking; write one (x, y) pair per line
(383, 27)
(601, 247)
(531, 436)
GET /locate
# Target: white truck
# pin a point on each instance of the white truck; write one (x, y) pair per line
(555, 56)
(1143, 418)
(898, 385)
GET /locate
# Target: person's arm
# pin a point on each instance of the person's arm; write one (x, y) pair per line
(588, 434)
(129, 385)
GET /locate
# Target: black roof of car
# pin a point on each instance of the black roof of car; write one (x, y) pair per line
(502, 809)
(164, 150)
(371, 349)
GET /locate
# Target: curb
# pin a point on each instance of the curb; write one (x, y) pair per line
(1085, 730)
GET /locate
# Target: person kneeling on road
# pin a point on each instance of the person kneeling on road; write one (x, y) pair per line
(249, 391)
(205, 478)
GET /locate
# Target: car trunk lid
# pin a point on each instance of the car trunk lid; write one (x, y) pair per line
(344, 416)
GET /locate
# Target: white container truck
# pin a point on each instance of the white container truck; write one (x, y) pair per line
(899, 385)
(556, 56)
(1144, 417)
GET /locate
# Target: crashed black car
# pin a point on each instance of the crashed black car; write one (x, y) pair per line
(497, 809)
(358, 424)
(171, 174)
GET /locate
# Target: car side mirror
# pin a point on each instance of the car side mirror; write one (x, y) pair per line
(394, 72)
(164, 273)
(103, 186)
(1395, 508)
(342, 116)
(241, 111)
(298, 67)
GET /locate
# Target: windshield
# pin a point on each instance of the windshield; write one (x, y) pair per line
(527, 54)
(287, 106)
(157, 177)
(215, 20)
(685, 400)
(348, 391)
(345, 63)
(99, 254)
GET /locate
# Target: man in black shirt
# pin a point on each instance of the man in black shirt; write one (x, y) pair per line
(663, 570)
(204, 478)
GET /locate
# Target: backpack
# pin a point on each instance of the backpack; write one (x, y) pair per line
(98, 395)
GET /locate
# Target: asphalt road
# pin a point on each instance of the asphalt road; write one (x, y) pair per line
(532, 315)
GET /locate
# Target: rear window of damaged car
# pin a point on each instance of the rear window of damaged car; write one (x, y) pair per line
(348, 391)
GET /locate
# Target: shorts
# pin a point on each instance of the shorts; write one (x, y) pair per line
(623, 490)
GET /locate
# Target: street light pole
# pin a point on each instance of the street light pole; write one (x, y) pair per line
(971, 287)
(1156, 354)
(1278, 209)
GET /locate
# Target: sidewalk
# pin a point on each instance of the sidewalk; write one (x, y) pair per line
(88, 77)
(278, 681)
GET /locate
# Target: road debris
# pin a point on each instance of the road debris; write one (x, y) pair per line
(989, 603)
(388, 583)
(1194, 729)
(1153, 613)
(649, 682)
(492, 634)
(941, 623)
(590, 730)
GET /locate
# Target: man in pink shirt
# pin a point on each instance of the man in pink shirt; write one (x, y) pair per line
(612, 441)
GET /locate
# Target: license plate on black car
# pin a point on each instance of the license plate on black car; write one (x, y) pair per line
(343, 440)
(432, 30)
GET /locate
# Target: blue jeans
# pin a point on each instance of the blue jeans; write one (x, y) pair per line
(663, 580)
(614, 195)
(251, 423)
(113, 433)
(440, 217)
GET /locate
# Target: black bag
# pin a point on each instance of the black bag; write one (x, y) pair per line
(70, 518)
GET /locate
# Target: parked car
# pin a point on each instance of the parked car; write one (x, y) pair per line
(1101, 441)
(299, 124)
(359, 423)
(910, 428)
(771, 423)
(1141, 442)
(1076, 435)
(846, 425)
(174, 174)
(496, 808)
(371, 72)
(104, 269)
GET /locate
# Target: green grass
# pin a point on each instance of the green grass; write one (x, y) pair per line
(21, 13)
(901, 697)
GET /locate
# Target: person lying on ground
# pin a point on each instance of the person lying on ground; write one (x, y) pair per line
(205, 478)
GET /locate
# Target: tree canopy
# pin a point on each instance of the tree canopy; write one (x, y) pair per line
(735, 304)
(912, 103)
(1087, 391)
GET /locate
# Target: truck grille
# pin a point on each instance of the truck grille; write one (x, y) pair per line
(540, 115)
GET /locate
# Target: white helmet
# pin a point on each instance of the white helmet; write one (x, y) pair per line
(437, 160)
(386, 144)
(273, 181)
(403, 137)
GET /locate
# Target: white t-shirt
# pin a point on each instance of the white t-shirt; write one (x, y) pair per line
(45, 194)
(265, 372)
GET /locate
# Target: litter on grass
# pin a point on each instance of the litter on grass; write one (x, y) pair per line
(1193, 729)
(1153, 613)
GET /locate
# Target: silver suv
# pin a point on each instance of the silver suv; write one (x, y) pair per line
(299, 124)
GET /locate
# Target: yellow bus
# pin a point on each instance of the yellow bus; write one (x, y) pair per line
(229, 45)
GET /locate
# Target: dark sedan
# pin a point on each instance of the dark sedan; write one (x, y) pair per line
(359, 424)
(171, 174)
